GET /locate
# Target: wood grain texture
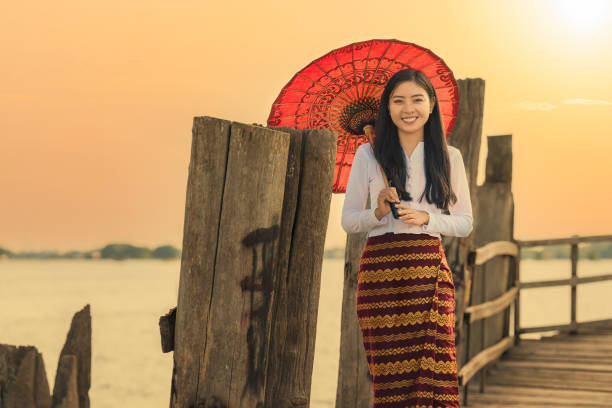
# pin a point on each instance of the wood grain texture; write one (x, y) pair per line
(295, 319)
(78, 344)
(23, 381)
(495, 222)
(354, 381)
(65, 390)
(562, 370)
(223, 315)
(466, 137)
(206, 179)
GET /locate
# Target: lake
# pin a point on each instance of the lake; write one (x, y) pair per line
(39, 298)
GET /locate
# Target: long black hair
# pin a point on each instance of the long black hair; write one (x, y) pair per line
(389, 153)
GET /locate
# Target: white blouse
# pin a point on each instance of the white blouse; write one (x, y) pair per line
(366, 177)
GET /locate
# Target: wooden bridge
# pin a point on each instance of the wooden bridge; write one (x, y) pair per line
(570, 369)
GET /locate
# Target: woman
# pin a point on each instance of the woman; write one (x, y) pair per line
(405, 294)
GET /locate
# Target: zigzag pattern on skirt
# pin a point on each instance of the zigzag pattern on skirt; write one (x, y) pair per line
(406, 313)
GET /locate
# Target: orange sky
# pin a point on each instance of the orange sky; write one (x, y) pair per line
(97, 102)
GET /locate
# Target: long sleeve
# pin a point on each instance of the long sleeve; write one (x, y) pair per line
(355, 218)
(459, 222)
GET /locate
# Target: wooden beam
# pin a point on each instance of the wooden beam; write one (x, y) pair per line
(493, 249)
(483, 358)
(569, 281)
(569, 240)
(491, 307)
(567, 327)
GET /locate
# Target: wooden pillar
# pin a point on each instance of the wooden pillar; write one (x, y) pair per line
(23, 381)
(65, 391)
(255, 221)
(574, 259)
(230, 245)
(78, 344)
(495, 222)
(354, 380)
(466, 136)
(307, 200)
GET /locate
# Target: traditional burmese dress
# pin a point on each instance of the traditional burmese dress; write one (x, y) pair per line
(405, 293)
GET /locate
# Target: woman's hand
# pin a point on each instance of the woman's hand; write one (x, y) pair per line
(385, 196)
(411, 216)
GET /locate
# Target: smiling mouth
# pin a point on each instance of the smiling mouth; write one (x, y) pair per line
(409, 120)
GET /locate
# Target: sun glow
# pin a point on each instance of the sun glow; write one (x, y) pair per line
(584, 14)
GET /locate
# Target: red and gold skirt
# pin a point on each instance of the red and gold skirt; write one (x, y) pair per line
(406, 312)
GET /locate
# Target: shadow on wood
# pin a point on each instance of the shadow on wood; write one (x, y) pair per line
(255, 220)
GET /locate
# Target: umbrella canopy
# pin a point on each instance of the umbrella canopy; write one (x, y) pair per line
(341, 91)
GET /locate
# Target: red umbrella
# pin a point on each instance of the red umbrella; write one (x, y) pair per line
(341, 91)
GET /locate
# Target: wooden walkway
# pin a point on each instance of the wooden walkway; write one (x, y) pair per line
(561, 371)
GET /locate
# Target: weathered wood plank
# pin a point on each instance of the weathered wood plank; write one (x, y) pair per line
(493, 249)
(210, 141)
(494, 222)
(78, 344)
(304, 225)
(569, 240)
(550, 379)
(483, 358)
(491, 307)
(466, 136)
(529, 396)
(65, 390)
(233, 363)
(167, 323)
(233, 206)
(284, 346)
(354, 388)
(550, 365)
(23, 381)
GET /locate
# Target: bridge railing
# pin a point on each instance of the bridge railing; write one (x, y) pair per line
(473, 364)
(512, 249)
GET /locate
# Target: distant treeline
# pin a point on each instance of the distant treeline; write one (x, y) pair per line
(599, 250)
(112, 251)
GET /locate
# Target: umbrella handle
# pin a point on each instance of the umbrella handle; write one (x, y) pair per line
(392, 205)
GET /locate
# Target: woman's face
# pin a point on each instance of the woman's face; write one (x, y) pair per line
(410, 107)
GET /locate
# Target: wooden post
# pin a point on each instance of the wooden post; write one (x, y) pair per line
(258, 202)
(495, 222)
(574, 258)
(65, 391)
(517, 301)
(466, 136)
(78, 344)
(308, 186)
(23, 381)
(354, 381)
(230, 247)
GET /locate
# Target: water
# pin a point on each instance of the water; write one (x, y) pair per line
(39, 298)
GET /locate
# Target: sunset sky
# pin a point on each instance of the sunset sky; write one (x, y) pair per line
(97, 101)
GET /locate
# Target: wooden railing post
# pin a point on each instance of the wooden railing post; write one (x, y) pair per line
(494, 222)
(517, 301)
(574, 257)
